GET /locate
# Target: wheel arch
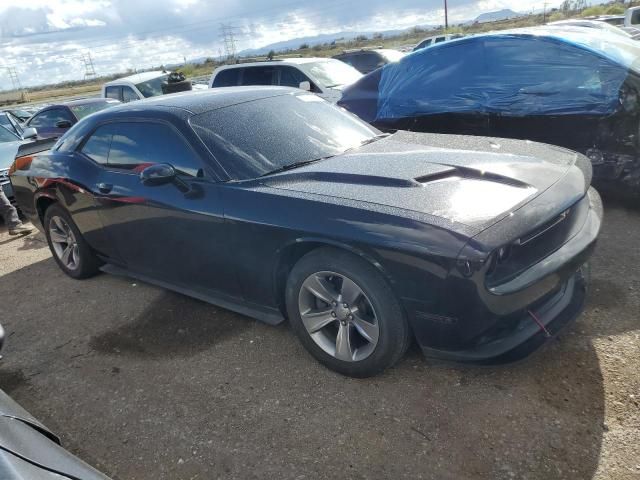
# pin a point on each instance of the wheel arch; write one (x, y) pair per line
(43, 202)
(292, 252)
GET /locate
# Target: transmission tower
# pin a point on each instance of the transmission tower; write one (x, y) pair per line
(15, 82)
(89, 71)
(229, 40)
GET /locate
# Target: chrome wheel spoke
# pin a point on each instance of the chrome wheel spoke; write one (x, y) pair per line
(57, 237)
(350, 292)
(320, 288)
(60, 225)
(75, 254)
(344, 350)
(369, 331)
(314, 321)
(66, 255)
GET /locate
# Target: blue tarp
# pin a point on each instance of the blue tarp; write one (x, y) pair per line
(537, 71)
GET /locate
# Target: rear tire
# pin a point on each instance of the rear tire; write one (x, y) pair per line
(68, 247)
(345, 314)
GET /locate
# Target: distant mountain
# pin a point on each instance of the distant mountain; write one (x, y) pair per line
(503, 14)
(316, 40)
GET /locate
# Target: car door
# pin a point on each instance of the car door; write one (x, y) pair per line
(292, 77)
(173, 233)
(47, 121)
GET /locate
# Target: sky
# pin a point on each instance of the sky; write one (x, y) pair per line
(45, 41)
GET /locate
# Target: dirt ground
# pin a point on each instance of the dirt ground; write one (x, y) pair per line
(146, 384)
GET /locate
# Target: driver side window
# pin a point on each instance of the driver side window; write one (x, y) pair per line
(128, 95)
(133, 146)
(49, 118)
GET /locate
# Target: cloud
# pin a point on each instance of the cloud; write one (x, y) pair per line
(45, 39)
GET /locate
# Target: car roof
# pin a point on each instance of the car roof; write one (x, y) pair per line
(138, 77)
(83, 101)
(196, 102)
(284, 61)
(620, 49)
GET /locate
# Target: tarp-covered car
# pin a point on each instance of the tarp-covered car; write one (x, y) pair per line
(574, 87)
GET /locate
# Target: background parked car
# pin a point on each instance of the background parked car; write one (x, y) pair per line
(146, 85)
(597, 24)
(55, 120)
(436, 39)
(11, 123)
(367, 60)
(10, 142)
(574, 87)
(323, 76)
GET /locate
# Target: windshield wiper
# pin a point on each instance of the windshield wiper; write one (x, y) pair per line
(291, 166)
(368, 141)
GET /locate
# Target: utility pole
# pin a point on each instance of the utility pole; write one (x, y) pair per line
(15, 82)
(229, 40)
(89, 71)
(446, 16)
(544, 13)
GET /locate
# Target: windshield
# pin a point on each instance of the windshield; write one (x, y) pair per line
(391, 55)
(153, 87)
(331, 73)
(6, 135)
(254, 138)
(81, 111)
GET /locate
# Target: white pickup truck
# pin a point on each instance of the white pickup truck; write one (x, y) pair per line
(632, 17)
(145, 85)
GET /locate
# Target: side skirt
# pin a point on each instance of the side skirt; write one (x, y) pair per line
(268, 315)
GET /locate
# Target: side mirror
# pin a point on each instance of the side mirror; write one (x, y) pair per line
(29, 133)
(157, 174)
(63, 124)
(306, 85)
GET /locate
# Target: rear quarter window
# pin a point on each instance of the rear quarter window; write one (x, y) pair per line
(227, 78)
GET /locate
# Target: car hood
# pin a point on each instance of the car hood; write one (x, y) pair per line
(463, 180)
(8, 152)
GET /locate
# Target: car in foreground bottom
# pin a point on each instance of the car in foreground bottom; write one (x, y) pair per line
(276, 204)
(30, 451)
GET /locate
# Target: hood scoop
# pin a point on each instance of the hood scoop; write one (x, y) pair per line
(459, 173)
(342, 178)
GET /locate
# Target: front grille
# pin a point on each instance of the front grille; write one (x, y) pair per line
(537, 244)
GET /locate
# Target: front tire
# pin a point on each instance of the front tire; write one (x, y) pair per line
(68, 247)
(345, 314)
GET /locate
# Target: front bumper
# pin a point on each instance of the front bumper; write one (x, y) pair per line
(522, 335)
(488, 324)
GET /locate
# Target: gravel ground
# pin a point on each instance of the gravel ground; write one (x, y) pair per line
(146, 384)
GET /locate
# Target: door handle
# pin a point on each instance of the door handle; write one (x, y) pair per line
(104, 187)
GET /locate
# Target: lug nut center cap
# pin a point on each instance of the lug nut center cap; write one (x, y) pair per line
(342, 313)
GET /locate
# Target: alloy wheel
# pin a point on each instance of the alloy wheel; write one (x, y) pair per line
(64, 242)
(338, 316)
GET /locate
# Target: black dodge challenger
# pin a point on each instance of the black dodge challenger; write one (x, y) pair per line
(273, 203)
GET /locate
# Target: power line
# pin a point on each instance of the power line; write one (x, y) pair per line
(229, 41)
(15, 82)
(89, 71)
